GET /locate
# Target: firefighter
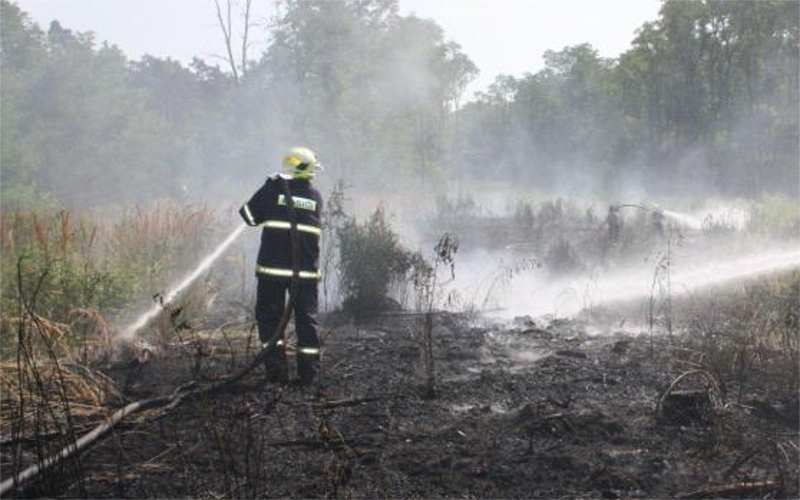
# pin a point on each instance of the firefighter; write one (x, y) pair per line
(274, 269)
(613, 221)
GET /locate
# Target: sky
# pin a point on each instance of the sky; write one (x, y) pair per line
(500, 36)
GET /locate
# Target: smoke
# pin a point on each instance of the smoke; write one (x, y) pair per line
(506, 269)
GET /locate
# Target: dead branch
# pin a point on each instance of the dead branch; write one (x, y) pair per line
(98, 379)
(406, 313)
(245, 35)
(226, 27)
(731, 490)
(318, 444)
(349, 402)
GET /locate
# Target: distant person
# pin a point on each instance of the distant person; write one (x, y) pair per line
(658, 222)
(524, 217)
(268, 208)
(591, 218)
(613, 221)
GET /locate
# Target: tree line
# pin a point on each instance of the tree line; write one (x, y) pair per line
(705, 98)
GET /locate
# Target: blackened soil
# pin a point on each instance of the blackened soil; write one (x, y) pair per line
(518, 412)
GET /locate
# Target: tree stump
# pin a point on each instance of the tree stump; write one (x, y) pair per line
(686, 407)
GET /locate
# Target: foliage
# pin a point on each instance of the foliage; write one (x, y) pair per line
(73, 125)
(84, 123)
(58, 257)
(80, 266)
(705, 99)
(372, 259)
(524, 217)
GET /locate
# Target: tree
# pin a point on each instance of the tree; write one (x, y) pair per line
(238, 62)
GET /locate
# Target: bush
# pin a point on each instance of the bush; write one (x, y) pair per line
(372, 259)
(561, 258)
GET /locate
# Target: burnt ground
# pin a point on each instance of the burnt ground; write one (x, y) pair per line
(521, 411)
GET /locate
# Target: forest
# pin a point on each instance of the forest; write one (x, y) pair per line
(703, 101)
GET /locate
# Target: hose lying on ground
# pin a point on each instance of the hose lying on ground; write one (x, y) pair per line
(166, 402)
(181, 394)
(83, 441)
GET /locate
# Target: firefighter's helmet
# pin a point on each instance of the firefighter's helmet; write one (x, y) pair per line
(301, 163)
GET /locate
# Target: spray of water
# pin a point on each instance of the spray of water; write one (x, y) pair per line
(684, 219)
(711, 274)
(535, 295)
(735, 215)
(129, 332)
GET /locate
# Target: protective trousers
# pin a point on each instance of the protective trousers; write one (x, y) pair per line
(270, 304)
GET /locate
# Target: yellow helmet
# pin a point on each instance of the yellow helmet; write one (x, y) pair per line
(301, 163)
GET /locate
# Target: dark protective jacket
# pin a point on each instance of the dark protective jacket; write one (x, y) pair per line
(267, 208)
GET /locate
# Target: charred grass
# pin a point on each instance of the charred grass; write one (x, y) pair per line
(585, 417)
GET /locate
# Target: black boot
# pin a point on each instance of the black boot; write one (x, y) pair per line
(276, 367)
(307, 368)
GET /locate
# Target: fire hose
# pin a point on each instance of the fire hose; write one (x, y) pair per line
(180, 394)
(640, 207)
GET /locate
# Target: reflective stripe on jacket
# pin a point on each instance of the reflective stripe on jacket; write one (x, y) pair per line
(267, 208)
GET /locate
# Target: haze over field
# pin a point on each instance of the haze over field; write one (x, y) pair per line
(699, 100)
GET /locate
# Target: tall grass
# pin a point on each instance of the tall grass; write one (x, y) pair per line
(90, 270)
(748, 337)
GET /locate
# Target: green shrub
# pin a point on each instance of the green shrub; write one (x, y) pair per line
(372, 258)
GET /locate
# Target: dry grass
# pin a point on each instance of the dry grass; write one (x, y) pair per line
(66, 278)
(87, 391)
(748, 338)
(89, 271)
